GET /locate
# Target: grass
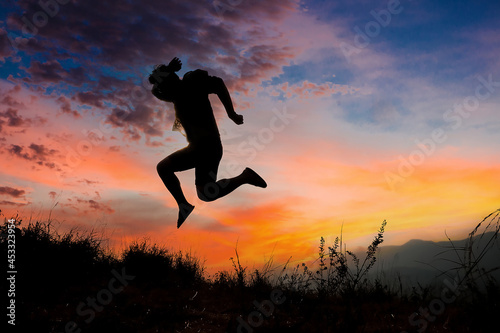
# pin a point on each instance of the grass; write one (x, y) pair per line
(72, 279)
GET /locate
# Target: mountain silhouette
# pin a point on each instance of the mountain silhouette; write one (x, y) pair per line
(421, 261)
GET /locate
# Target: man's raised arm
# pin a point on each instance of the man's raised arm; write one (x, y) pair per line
(225, 98)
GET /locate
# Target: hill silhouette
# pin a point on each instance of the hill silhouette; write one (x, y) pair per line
(72, 283)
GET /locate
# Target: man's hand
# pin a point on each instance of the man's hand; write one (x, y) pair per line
(174, 65)
(237, 118)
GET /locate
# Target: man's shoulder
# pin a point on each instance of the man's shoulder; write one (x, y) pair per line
(196, 74)
(201, 81)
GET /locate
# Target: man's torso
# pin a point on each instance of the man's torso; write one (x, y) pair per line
(193, 108)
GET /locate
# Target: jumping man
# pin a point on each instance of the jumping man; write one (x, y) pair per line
(204, 151)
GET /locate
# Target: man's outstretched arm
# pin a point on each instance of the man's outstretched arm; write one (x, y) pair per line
(225, 98)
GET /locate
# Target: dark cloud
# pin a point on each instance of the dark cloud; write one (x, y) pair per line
(36, 153)
(10, 115)
(117, 117)
(142, 119)
(66, 107)
(13, 192)
(94, 205)
(154, 144)
(41, 152)
(106, 83)
(53, 72)
(11, 101)
(90, 98)
(84, 205)
(13, 119)
(18, 151)
(6, 49)
(50, 71)
(50, 165)
(11, 203)
(130, 34)
(88, 182)
(102, 37)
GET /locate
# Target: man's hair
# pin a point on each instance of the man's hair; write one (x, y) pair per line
(159, 73)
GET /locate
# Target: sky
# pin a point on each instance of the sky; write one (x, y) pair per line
(355, 112)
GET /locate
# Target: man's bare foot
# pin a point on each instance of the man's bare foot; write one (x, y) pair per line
(254, 178)
(184, 211)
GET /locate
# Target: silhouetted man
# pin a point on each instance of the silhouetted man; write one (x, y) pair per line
(204, 152)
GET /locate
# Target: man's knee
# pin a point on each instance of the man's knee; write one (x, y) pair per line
(207, 192)
(164, 166)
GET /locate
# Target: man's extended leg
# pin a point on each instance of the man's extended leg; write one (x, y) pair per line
(179, 161)
(213, 190)
(207, 165)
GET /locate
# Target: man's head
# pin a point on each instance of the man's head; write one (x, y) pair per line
(165, 79)
(164, 72)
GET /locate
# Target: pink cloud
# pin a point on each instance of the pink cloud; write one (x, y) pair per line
(308, 89)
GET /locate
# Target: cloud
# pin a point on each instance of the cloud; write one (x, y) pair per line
(13, 119)
(311, 90)
(52, 72)
(10, 101)
(6, 49)
(102, 51)
(98, 206)
(10, 191)
(15, 105)
(142, 119)
(11, 203)
(84, 206)
(37, 153)
(89, 182)
(133, 33)
(66, 107)
(90, 98)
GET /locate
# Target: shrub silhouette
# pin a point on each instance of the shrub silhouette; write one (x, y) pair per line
(150, 263)
(339, 272)
(171, 292)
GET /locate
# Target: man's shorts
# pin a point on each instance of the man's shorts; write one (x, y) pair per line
(207, 154)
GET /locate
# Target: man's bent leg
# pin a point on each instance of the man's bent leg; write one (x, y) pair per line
(178, 161)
